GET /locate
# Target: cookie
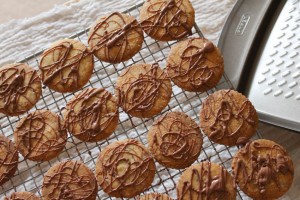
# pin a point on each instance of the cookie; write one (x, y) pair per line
(155, 196)
(263, 169)
(69, 180)
(92, 115)
(175, 140)
(9, 159)
(167, 20)
(40, 135)
(66, 66)
(228, 117)
(116, 38)
(195, 65)
(206, 181)
(143, 90)
(22, 196)
(20, 88)
(125, 168)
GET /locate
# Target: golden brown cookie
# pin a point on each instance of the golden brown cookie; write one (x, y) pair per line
(20, 88)
(175, 140)
(206, 181)
(155, 196)
(22, 196)
(263, 169)
(143, 90)
(92, 115)
(9, 159)
(67, 66)
(116, 37)
(167, 20)
(40, 135)
(228, 117)
(125, 169)
(195, 64)
(69, 180)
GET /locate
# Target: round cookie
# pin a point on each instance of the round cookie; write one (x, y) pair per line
(175, 140)
(206, 181)
(116, 38)
(167, 20)
(92, 115)
(228, 117)
(69, 180)
(263, 169)
(155, 196)
(195, 64)
(143, 90)
(125, 169)
(9, 159)
(20, 88)
(67, 66)
(22, 196)
(40, 135)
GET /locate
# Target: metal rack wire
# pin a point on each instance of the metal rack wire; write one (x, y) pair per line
(29, 175)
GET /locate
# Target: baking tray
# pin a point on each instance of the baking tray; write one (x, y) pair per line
(265, 36)
(29, 175)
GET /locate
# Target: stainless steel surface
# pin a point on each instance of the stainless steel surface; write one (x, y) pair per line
(29, 175)
(273, 83)
(238, 34)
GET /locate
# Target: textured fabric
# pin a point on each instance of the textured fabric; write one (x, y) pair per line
(20, 38)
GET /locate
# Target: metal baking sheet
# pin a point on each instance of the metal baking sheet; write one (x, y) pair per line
(261, 47)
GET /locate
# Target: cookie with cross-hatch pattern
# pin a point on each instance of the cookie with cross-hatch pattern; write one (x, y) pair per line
(125, 168)
(66, 66)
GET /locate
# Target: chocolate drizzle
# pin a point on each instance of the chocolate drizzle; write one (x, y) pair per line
(114, 33)
(167, 20)
(155, 196)
(177, 137)
(37, 137)
(64, 64)
(70, 180)
(194, 67)
(202, 186)
(260, 164)
(22, 196)
(8, 159)
(90, 113)
(140, 93)
(225, 116)
(125, 166)
(18, 82)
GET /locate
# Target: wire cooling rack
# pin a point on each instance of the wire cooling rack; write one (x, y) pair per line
(29, 176)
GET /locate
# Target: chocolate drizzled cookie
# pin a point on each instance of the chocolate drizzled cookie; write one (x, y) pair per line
(167, 20)
(175, 140)
(155, 196)
(125, 169)
(228, 117)
(116, 38)
(8, 159)
(69, 180)
(20, 88)
(66, 66)
(143, 90)
(195, 64)
(206, 181)
(92, 115)
(40, 135)
(22, 196)
(263, 169)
